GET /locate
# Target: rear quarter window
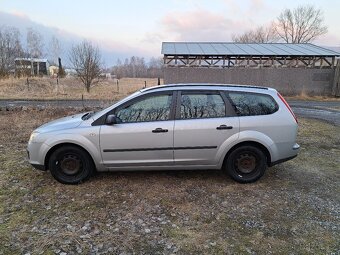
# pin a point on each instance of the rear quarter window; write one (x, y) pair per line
(252, 104)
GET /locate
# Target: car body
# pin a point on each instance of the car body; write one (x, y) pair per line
(240, 129)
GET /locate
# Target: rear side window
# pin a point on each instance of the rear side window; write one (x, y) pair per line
(201, 105)
(250, 104)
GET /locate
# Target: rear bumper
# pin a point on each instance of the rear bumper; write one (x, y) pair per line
(292, 154)
(281, 161)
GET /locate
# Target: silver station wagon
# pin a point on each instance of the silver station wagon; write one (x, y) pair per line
(239, 129)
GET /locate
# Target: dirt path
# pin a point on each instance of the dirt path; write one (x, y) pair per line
(328, 111)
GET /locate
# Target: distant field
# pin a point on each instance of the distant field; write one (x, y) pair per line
(70, 88)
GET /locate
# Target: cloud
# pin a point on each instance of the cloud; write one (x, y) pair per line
(19, 14)
(256, 5)
(111, 50)
(201, 25)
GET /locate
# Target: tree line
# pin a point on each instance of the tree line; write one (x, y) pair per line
(137, 67)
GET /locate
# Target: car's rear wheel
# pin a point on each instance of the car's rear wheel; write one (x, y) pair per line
(246, 164)
(70, 165)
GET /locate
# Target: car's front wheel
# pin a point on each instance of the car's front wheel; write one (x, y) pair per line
(246, 164)
(70, 165)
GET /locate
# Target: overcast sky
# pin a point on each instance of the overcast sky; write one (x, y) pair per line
(143, 25)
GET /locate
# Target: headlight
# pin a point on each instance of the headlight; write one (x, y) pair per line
(33, 135)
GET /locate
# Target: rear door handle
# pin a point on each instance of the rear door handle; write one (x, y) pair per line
(159, 130)
(224, 127)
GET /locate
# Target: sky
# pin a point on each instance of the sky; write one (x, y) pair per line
(129, 27)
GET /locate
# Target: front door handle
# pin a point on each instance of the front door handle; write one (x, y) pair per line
(224, 127)
(159, 130)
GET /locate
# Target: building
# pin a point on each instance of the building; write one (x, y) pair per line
(290, 68)
(31, 66)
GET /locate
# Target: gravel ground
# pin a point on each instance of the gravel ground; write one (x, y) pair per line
(293, 209)
(323, 110)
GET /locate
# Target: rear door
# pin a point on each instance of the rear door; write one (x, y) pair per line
(204, 121)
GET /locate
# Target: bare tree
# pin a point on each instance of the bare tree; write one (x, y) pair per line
(261, 34)
(301, 25)
(35, 43)
(86, 60)
(10, 48)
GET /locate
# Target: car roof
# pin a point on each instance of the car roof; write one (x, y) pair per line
(206, 86)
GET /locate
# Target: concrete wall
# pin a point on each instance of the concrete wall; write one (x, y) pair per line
(289, 81)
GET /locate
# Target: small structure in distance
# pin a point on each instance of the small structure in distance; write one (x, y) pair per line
(31, 66)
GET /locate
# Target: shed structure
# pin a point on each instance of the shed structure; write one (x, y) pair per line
(256, 55)
(290, 68)
(31, 66)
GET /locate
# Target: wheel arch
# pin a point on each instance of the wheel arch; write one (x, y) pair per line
(59, 145)
(249, 143)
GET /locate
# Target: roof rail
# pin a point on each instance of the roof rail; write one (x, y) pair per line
(203, 84)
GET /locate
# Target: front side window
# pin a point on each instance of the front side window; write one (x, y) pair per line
(154, 108)
(250, 104)
(201, 105)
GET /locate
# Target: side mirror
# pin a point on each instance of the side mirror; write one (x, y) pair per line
(111, 120)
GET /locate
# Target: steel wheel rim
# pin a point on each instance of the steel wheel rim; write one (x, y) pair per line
(70, 164)
(245, 163)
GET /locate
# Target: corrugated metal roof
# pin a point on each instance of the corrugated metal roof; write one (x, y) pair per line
(246, 49)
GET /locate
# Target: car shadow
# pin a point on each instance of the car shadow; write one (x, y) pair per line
(212, 175)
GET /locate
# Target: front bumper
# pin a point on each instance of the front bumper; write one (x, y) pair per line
(36, 155)
(36, 166)
(39, 167)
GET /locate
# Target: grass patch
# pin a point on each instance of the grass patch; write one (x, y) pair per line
(70, 88)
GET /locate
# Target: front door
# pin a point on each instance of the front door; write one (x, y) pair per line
(144, 134)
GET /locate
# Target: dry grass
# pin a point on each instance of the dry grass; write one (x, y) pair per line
(70, 88)
(305, 97)
(293, 209)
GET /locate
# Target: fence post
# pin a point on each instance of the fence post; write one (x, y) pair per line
(82, 100)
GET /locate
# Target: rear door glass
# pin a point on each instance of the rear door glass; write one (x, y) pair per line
(202, 105)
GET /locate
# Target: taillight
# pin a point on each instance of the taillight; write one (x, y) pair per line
(287, 105)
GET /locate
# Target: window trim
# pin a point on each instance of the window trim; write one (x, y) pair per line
(229, 111)
(226, 92)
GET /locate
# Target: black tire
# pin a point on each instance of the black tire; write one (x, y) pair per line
(246, 164)
(70, 165)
